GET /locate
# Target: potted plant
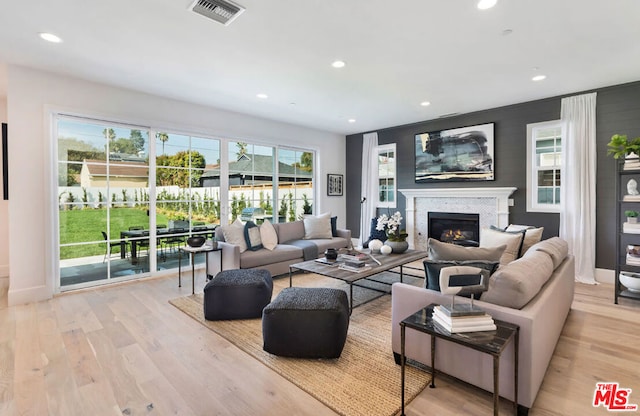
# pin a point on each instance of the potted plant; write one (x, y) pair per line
(396, 237)
(632, 216)
(620, 146)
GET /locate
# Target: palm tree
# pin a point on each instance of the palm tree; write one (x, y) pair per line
(163, 137)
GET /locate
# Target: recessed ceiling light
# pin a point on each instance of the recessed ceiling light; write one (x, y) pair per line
(50, 37)
(425, 103)
(262, 96)
(538, 78)
(507, 32)
(352, 120)
(338, 64)
(486, 4)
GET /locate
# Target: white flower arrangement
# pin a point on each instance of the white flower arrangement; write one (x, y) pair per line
(391, 226)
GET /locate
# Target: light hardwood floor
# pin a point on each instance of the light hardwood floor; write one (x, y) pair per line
(126, 350)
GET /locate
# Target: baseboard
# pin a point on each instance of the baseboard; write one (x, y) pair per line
(29, 295)
(605, 276)
(4, 270)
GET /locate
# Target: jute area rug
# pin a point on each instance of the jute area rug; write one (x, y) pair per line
(365, 379)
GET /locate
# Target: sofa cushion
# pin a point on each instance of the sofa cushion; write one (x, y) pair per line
(446, 251)
(318, 227)
(432, 269)
(532, 235)
(515, 284)
(252, 236)
(494, 237)
(555, 247)
(234, 234)
(268, 235)
(282, 252)
(288, 231)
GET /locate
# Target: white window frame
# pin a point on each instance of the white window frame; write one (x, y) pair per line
(532, 169)
(385, 148)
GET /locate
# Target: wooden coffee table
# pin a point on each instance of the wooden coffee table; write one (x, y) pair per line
(387, 262)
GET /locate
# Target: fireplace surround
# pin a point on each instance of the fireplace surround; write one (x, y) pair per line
(490, 203)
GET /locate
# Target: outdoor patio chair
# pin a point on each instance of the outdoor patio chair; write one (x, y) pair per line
(110, 245)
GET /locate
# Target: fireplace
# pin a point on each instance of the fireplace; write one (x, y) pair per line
(456, 228)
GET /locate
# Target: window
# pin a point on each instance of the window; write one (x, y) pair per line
(544, 170)
(387, 176)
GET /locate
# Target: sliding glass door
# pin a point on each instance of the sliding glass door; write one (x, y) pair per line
(103, 197)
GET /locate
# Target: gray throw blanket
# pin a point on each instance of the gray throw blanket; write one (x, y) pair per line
(309, 249)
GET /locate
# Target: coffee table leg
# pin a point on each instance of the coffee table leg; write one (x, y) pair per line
(179, 270)
(401, 273)
(193, 274)
(290, 278)
(496, 383)
(350, 298)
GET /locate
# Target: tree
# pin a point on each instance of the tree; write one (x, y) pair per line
(242, 149)
(165, 176)
(163, 137)
(137, 139)
(306, 161)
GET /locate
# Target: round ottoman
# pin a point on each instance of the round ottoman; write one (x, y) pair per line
(306, 323)
(237, 294)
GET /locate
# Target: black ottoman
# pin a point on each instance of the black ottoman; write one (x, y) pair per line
(306, 323)
(237, 294)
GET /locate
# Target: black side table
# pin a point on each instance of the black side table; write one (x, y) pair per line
(193, 251)
(489, 342)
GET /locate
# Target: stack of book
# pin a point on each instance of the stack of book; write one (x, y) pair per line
(632, 164)
(633, 260)
(470, 321)
(630, 197)
(354, 266)
(631, 228)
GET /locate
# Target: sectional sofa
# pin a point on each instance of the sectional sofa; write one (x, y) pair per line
(292, 242)
(534, 292)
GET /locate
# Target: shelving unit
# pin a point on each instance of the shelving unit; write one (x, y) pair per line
(624, 239)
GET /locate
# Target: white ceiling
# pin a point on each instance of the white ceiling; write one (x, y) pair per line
(398, 53)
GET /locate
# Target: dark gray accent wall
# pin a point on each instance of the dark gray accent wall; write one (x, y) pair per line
(618, 111)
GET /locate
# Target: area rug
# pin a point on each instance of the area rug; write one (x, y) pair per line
(365, 379)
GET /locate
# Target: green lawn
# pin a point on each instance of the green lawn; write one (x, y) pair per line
(85, 226)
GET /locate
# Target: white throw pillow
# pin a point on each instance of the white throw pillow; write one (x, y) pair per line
(318, 227)
(532, 235)
(268, 235)
(495, 238)
(234, 234)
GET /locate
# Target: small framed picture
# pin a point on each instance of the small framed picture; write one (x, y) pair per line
(334, 184)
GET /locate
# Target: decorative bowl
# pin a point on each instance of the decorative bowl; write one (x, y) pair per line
(331, 254)
(196, 241)
(631, 281)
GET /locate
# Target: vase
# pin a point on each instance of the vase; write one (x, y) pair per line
(397, 247)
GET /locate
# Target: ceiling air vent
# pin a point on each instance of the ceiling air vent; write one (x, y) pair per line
(222, 11)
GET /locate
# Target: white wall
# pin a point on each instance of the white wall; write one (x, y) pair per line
(33, 94)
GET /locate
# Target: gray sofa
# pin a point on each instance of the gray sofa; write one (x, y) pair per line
(541, 320)
(292, 248)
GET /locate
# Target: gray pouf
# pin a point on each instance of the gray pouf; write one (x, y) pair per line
(306, 323)
(237, 294)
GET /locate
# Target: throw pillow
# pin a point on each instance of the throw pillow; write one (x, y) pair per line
(446, 251)
(375, 234)
(268, 235)
(532, 235)
(432, 269)
(495, 237)
(334, 226)
(234, 234)
(317, 227)
(252, 236)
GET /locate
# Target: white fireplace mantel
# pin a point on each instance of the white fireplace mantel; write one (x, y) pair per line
(491, 203)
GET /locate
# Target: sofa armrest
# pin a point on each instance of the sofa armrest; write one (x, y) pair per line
(344, 233)
(230, 258)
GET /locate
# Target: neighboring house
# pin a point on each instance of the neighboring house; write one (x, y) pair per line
(121, 174)
(254, 169)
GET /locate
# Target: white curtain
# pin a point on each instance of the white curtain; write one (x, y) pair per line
(369, 183)
(578, 190)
